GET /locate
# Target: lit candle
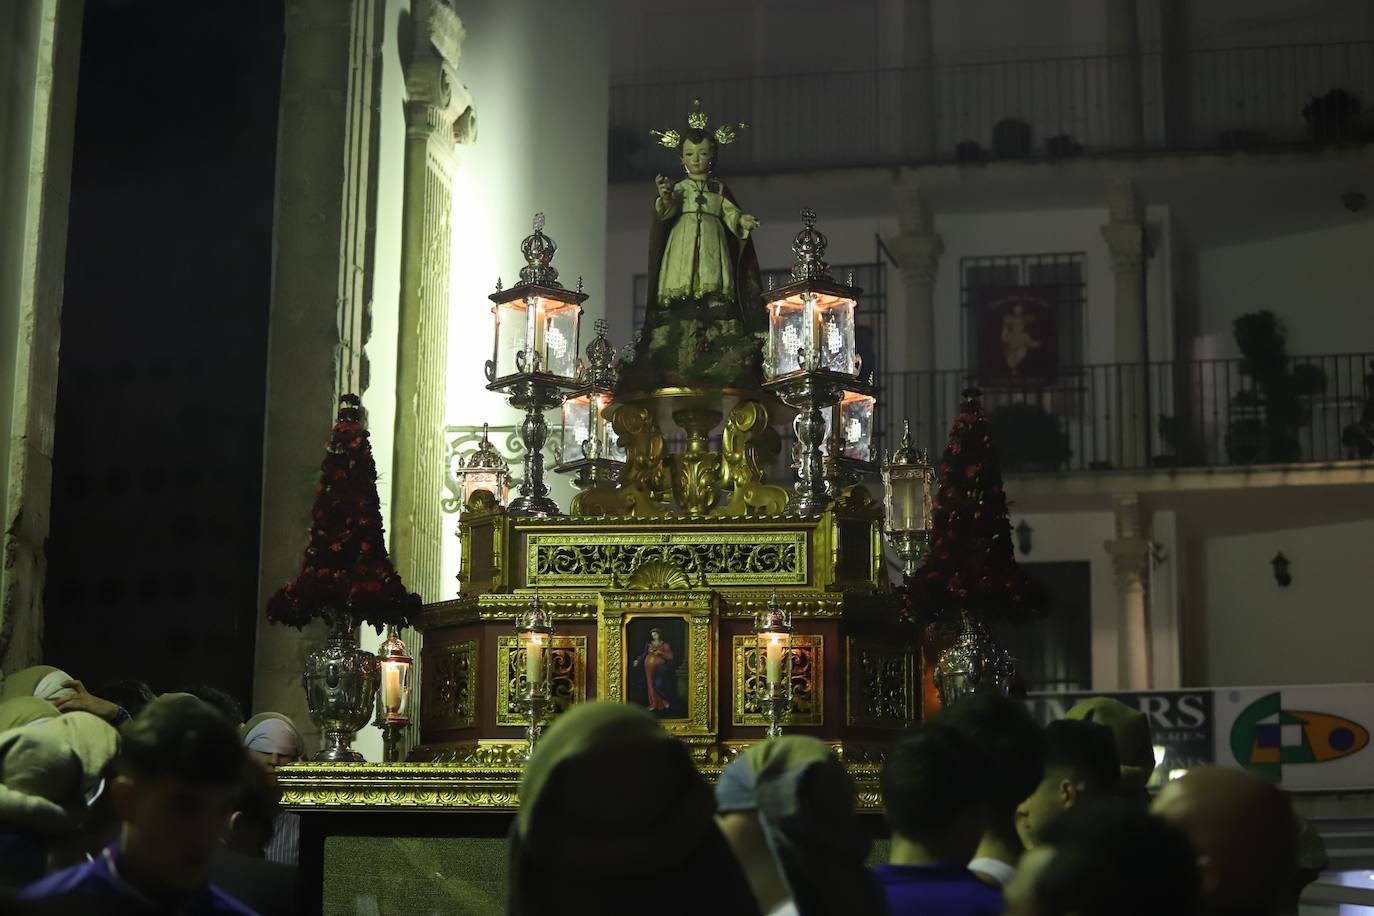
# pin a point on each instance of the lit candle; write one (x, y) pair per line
(534, 660)
(774, 659)
(391, 687)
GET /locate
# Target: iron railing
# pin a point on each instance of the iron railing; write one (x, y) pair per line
(1197, 413)
(1044, 107)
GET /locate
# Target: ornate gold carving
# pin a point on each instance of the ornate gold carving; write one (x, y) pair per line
(808, 679)
(753, 557)
(882, 684)
(568, 676)
(450, 687)
(698, 609)
(749, 444)
(644, 478)
(658, 575)
(696, 482)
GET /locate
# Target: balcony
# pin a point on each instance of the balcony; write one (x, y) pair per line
(1201, 413)
(1046, 108)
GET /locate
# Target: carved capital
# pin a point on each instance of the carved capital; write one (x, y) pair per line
(918, 255)
(913, 213)
(1130, 561)
(1126, 241)
(437, 102)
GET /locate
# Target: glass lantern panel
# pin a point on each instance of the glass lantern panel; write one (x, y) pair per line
(610, 447)
(787, 333)
(558, 336)
(575, 425)
(835, 333)
(491, 481)
(856, 425)
(511, 329)
(908, 504)
(395, 686)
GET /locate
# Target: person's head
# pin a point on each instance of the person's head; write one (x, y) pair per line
(611, 805)
(272, 740)
(787, 807)
(256, 806)
(656, 635)
(1131, 732)
(935, 786)
(1244, 833)
(42, 681)
(220, 699)
(133, 695)
(178, 771)
(1107, 857)
(1080, 763)
(698, 152)
(1014, 745)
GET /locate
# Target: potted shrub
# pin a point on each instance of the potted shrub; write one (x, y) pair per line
(1029, 438)
(1011, 138)
(1170, 430)
(1265, 420)
(1333, 117)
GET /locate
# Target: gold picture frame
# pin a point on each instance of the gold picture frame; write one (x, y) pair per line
(567, 676)
(672, 673)
(808, 681)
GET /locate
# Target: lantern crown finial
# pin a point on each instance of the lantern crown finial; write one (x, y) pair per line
(539, 250)
(601, 357)
(907, 453)
(809, 247)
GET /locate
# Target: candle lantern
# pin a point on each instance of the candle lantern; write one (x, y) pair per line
(773, 635)
(485, 469)
(811, 361)
(534, 630)
(535, 361)
(907, 482)
(393, 699)
(811, 319)
(587, 444)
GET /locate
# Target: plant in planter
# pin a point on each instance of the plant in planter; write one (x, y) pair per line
(1266, 419)
(1062, 146)
(346, 578)
(969, 151)
(1333, 117)
(1170, 435)
(1011, 138)
(1031, 438)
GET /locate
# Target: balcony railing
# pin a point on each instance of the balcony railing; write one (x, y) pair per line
(1234, 98)
(1201, 413)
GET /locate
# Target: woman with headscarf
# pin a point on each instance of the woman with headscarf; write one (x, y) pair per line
(787, 806)
(615, 819)
(49, 771)
(272, 740)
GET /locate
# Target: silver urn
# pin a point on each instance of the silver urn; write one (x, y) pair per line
(341, 683)
(975, 663)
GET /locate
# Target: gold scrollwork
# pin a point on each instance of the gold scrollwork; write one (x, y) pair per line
(808, 666)
(748, 445)
(882, 684)
(567, 676)
(696, 481)
(450, 687)
(721, 557)
(645, 478)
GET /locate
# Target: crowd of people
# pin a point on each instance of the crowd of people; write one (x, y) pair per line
(124, 803)
(987, 813)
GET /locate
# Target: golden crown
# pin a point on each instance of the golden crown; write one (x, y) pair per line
(697, 119)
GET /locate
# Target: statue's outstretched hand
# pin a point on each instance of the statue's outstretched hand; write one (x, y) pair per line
(665, 188)
(748, 222)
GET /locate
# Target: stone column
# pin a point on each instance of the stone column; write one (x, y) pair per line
(1130, 553)
(438, 114)
(1126, 410)
(918, 250)
(40, 43)
(322, 276)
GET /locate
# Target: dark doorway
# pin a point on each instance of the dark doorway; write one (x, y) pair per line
(1055, 652)
(152, 557)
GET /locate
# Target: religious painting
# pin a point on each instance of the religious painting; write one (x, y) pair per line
(657, 664)
(1018, 335)
(656, 650)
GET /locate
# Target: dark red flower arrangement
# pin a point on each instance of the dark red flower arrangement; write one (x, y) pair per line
(346, 569)
(971, 565)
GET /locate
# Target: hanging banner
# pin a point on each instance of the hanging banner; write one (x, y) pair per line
(1018, 335)
(1302, 738)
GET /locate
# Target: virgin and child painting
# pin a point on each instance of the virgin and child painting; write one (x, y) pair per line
(656, 661)
(1017, 336)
